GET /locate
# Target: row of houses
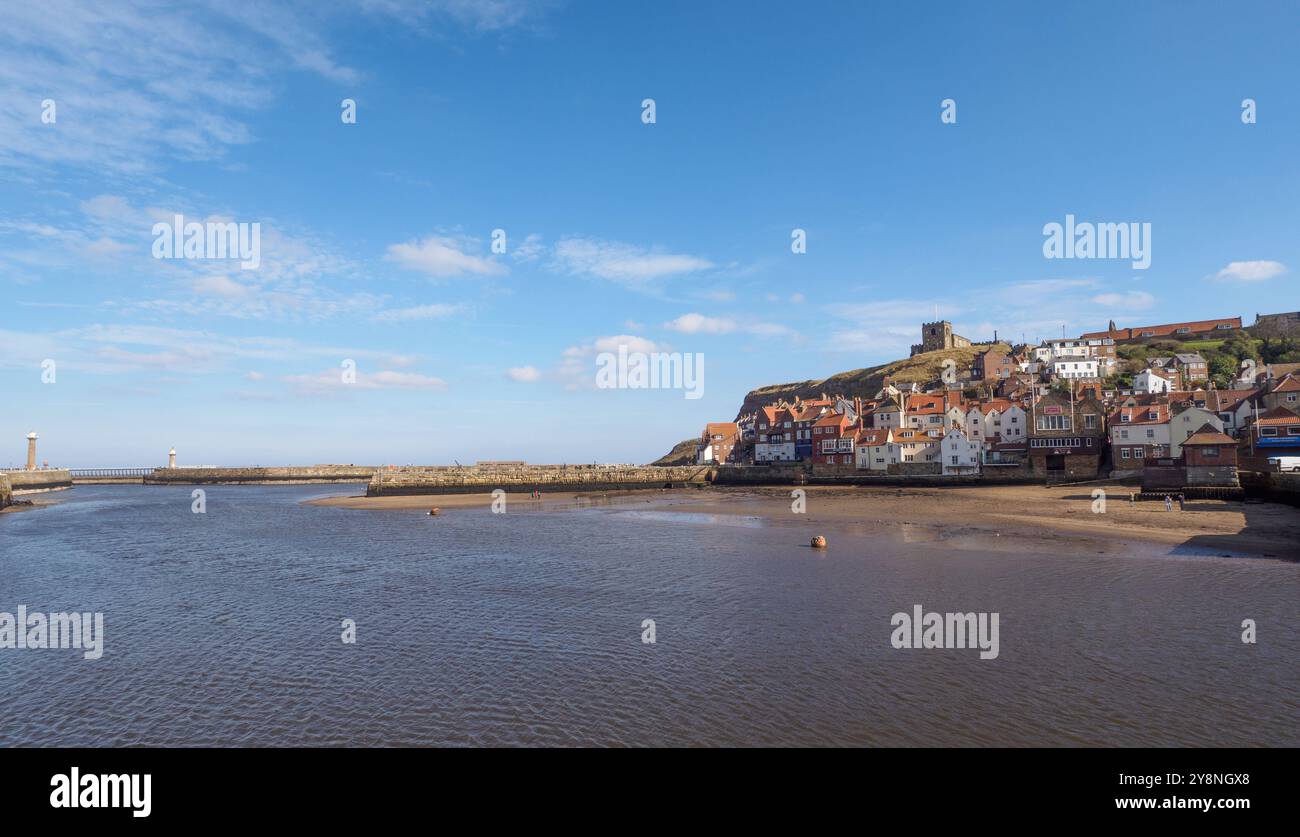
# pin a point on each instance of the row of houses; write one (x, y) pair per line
(1064, 427)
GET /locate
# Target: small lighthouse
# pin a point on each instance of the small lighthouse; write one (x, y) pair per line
(31, 451)
(171, 458)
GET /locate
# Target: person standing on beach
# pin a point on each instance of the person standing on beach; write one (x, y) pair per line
(1182, 502)
(1169, 503)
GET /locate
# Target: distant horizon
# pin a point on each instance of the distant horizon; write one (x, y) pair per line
(419, 226)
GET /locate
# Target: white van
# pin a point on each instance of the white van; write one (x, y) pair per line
(1284, 463)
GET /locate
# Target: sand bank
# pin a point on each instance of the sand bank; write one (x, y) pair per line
(1002, 517)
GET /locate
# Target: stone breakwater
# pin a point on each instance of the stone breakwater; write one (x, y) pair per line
(479, 479)
(6, 491)
(475, 479)
(307, 475)
(32, 482)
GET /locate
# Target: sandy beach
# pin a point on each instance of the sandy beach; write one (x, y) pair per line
(1017, 518)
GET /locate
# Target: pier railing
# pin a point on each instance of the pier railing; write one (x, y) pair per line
(109, 473)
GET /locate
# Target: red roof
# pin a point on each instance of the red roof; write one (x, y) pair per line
(877, 436)
(1207, 435)
(1166, 330)
(1278, 416)
(1140, 415)
(1287, 384)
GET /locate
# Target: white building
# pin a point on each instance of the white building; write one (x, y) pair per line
(1183, 425)
(873, 451)
(961, 455)
(1076, 368)
(1151, 381)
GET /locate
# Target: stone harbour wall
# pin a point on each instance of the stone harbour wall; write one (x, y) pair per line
(517, 479)
(6, 491)
(34, 482)
(305, 475)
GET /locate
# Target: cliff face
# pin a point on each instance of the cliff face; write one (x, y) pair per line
(921, 369)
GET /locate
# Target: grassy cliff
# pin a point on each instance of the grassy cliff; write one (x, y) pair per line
(920, 369)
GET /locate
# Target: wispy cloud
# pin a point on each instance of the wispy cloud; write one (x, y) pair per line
(433, 311)
(524, 374)
(1251, 271)
(331, 382)
(695, 323)
(444, 257)
(1129, 300)
(619, 262)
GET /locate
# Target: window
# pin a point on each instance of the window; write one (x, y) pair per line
(1184, 330)
(1054, 423)
(954, 460)
(1151, 434)
(1123, 452)
(1268, 431)
(1210, 453)
(1089, 421)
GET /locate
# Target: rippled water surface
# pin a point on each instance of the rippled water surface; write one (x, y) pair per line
(525, 628)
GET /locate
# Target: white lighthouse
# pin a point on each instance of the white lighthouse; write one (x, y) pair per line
(171, 458)
(31, 451)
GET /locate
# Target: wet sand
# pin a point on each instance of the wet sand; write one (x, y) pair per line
(1005, 518)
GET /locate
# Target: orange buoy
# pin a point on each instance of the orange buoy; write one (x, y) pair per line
(819, 542)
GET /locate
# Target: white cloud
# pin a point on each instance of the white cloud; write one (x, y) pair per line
(330, 382)
(138, 83)
(1131, 300)
(434, 311)
(524, 374)
(528, 250)
(695, 323)
(577, 366)
(1252, 271)
(700, 324)
(442, 257)
(222, 286)
(620, 262)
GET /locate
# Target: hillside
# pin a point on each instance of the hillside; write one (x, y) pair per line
(683, 453)
(921, 369)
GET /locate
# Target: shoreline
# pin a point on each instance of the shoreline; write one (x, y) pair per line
(1003, 517)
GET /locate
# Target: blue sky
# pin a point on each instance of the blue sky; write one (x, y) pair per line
(673, 236)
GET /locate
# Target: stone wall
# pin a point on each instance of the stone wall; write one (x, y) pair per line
(1224, 475)
(262, 476)
(6, 491)
(1274, 487)
(32, 482)
(915, 469)
(478, 479)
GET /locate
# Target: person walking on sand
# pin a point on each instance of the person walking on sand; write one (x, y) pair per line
(1182, 502)
(1169, 503)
